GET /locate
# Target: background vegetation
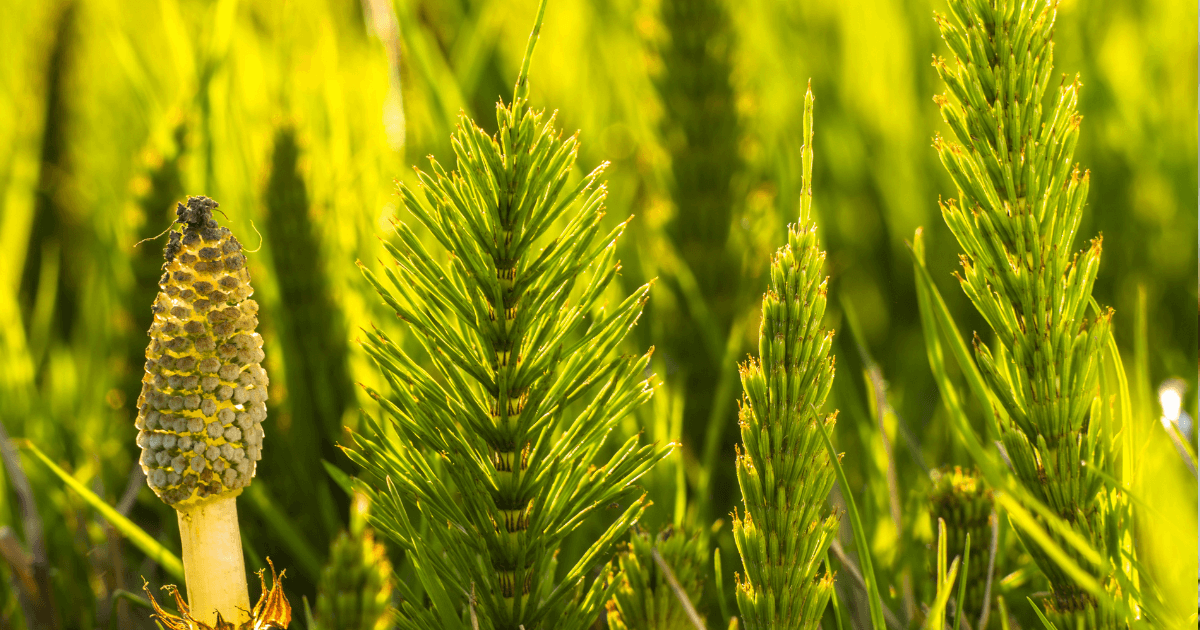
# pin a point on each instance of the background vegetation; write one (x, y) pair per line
(298, 117)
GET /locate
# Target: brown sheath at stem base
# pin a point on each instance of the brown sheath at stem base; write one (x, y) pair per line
(213, 565)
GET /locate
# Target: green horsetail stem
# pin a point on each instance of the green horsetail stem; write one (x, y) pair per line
(1020, 202)
(962, 501)
(703, 136)
(56, 231)
(646, 599)
(355, 590)
(160, 185)
(314, 341)
(497, 434)
(783, 467)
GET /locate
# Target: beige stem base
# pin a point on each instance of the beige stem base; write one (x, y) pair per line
(212, 562)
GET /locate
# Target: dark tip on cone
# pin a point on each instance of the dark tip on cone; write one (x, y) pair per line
(197, 214)
(196, 217)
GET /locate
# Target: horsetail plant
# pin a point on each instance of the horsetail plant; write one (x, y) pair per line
(200, 417)
(959, 501)
(660, 578)
(783, 467)
(702, 136)
(355, 591)
(495, 436)
(1019, 205)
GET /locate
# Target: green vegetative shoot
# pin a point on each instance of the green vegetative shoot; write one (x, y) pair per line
(1019, 205)
(783, 467)
(496, 435)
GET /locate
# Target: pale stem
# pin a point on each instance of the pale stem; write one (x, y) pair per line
(213, 565)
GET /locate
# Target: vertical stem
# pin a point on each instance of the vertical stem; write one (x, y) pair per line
(212, 562)
(521, 90)
(883, 407)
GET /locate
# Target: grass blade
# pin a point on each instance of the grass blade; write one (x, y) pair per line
(720, 583)
(860, 534)
(680, 594)
(444, 93)
(136, 535)
(1023, 519)
(962, 584)
(833, 599)
(1045, 622)
(936, 617)
(933, 312)
(945, 323)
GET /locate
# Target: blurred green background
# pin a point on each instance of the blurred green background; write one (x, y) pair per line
(299, 116)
